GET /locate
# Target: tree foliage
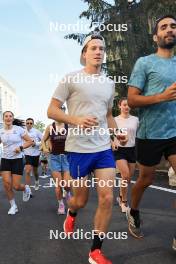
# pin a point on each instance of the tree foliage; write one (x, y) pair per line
(124, 47)
(40, 126)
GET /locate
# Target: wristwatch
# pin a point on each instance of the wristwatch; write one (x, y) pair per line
(21, 148)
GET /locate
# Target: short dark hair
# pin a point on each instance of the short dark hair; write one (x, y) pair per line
(30, 118)
(155, 29)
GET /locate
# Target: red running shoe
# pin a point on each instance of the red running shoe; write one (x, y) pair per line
(96, 257)
(69, 224)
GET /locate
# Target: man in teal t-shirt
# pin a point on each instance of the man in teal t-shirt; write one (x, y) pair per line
(152, 88)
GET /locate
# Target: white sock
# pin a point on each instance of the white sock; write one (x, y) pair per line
(12, 202)
(60, 201)
(26, 187)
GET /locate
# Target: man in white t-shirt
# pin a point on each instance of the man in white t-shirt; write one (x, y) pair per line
(32, 154)
(89, 95)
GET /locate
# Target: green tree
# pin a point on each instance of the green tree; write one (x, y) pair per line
(124, 47)
(40, 126)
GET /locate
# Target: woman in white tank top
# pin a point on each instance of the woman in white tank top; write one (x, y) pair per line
(125, 155)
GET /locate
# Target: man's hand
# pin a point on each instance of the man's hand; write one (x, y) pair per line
(169, 94)
(123, 139)
(114, 144)
(86, 121)
(46, 151)
(17, 150)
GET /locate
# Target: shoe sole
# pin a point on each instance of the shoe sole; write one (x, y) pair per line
(91, 261)
(133, 234)
(16, 211)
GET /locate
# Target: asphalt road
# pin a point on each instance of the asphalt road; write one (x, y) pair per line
(27, 237)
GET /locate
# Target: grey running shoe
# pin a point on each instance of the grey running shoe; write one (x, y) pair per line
(174, 243)
(134, 224)
(26, 193)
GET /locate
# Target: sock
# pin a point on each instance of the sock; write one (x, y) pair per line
(97, 242)
(60, 201)
(72, 214)
(12, 202)
(134, 212)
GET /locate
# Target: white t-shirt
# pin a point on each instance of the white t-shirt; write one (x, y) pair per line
(87, 95)
(11, 139)
(131, 123)
(35, 135)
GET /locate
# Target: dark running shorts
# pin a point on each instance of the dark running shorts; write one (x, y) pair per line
(16, 166)
(125, 153)
(32, 160)
(150, 151)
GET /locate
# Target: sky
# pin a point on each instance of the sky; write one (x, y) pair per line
(34, 55)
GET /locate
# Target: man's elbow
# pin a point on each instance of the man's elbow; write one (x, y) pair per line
(131, 102)
(50, 112)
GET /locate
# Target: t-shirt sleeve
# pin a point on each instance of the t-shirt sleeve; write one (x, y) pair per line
(62, 90)
(138, 75)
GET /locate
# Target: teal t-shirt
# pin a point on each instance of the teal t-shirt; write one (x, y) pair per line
(153, 74)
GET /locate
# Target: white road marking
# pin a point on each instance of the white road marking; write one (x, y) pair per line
(156, 187)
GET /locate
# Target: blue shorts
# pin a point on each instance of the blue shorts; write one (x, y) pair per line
(58, 163)
(82, 164)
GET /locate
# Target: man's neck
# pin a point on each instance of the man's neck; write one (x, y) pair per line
(92, 69)
(165, 53)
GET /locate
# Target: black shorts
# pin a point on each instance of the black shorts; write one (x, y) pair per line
(32, 160)
(16, 166)
(150, 151)
(125, 153)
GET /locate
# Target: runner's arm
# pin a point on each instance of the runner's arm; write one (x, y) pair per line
(27, 141)
(45, 139)
(135, 99)
(54, 112)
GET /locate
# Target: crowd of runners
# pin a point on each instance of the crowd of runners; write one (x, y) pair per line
(76, 150)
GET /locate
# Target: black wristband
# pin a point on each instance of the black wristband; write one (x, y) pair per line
(112, 137)
(21, 148)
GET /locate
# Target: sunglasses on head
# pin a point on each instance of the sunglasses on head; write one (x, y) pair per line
(29, 123)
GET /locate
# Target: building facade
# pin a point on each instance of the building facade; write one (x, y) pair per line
(8, 99)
